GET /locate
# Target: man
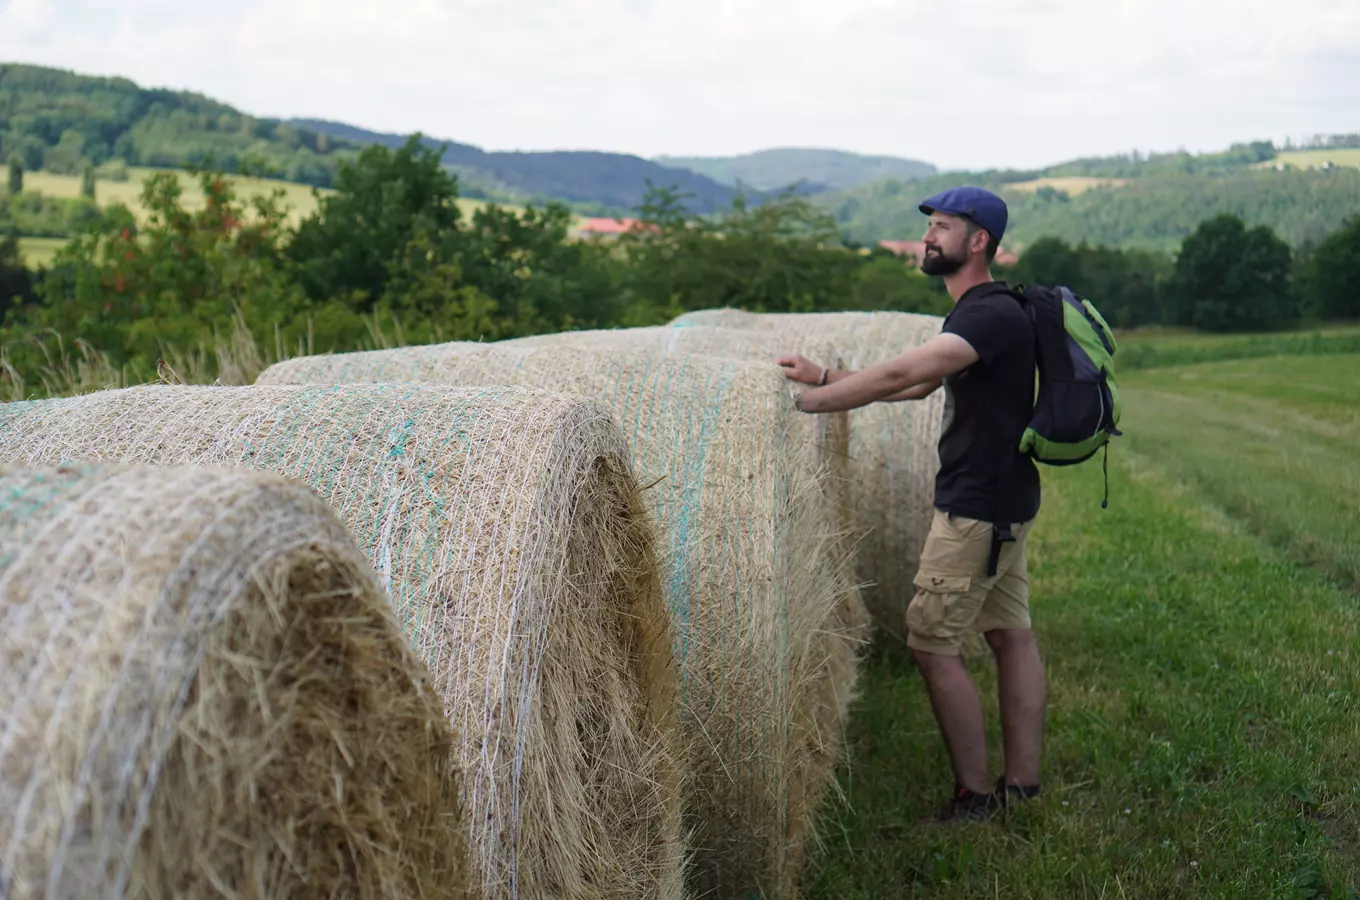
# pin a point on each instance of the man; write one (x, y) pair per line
(972, 572)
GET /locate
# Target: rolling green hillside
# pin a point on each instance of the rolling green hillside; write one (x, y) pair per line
(611, 182)
(1152, 212)
(61, 121)
(769, 170)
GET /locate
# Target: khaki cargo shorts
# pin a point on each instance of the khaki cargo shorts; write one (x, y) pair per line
(954, 594)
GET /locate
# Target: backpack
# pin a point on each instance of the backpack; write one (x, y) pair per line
(1076, 407)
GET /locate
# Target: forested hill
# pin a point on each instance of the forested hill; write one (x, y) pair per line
(769, 170)
(612, 181)
(1151, 212)
(60, 121)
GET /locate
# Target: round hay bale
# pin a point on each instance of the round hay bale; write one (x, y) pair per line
(894, 447)
(756, 576)
(829, 447)
(508, 530)
(205, 695)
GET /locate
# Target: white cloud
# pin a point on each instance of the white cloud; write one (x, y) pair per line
(987, 83)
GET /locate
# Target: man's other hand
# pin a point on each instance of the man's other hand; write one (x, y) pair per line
(799, 368)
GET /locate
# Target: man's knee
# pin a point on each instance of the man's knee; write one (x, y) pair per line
(1010, 640)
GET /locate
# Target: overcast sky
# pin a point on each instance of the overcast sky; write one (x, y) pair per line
(975, 84)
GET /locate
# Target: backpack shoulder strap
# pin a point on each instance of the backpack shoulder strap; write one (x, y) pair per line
(1001, 529)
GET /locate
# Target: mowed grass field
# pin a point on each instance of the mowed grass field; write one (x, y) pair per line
(1201, 640)
(39, 251)
(1310, 159)
(1071, 185)
(299, 199)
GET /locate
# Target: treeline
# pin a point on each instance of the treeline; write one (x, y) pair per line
(62, 122)
(1226, 276)
(390, 257)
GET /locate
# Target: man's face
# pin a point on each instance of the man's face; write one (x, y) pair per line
(946, 241)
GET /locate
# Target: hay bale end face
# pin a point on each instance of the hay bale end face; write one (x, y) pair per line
(203, 693)
(756, 575)
(507, 528)
(893, 446)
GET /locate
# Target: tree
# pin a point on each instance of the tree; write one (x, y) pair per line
(783, 255)
(1050, 261)
(16, 175)
(175, 281)
(382, 202)
(1231, 278)
(87, 182)
(16, 281)
(1330, 279)
(1125, 285)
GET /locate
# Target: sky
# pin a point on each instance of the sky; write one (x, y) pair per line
(963, 85)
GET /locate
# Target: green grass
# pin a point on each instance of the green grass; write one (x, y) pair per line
(1204, 689)
(1159, 347)
(39, 251)
(1274, 441)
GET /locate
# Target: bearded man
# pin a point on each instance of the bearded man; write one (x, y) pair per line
(972, 572)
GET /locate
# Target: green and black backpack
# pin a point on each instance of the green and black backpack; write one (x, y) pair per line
(1076, 406)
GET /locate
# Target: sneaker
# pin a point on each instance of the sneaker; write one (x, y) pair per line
(966, 806)
(1008, 792)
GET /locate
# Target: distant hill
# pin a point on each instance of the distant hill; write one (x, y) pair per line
(770, 170)
(60, 121)
(614, 181)
(1152, 212)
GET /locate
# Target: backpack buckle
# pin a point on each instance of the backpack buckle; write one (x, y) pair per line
(1001, 534)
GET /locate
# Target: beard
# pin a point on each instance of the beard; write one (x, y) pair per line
(936, 262)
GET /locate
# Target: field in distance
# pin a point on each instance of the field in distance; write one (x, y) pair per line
(1348, 157)
(38, 251)
(299, 199)
(1072, 185)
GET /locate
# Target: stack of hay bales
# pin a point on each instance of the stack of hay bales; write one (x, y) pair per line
(508, 530)
(203, 693)
(893, 446)
(756, 575)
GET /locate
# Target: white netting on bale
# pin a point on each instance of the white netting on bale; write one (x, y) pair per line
(894, 447)
(828, 447)
(756, 575)
(508, 529)
(203, 694)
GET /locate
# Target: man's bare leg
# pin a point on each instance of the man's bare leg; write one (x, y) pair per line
(1021, 691)
(958, 711)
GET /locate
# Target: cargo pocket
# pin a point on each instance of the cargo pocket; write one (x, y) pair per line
(942, 608)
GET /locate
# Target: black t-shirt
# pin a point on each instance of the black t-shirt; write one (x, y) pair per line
(987, 407)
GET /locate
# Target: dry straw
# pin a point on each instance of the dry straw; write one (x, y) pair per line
(828, 449)
(507, 528)
(893, 446)
(756, 576)
(205, 695)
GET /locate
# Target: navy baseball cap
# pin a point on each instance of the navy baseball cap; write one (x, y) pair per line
(982, 206)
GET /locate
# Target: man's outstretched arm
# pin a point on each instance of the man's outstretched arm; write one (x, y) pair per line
(914, 370)
(916, 392)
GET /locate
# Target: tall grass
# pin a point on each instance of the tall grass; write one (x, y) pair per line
(235, 357)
